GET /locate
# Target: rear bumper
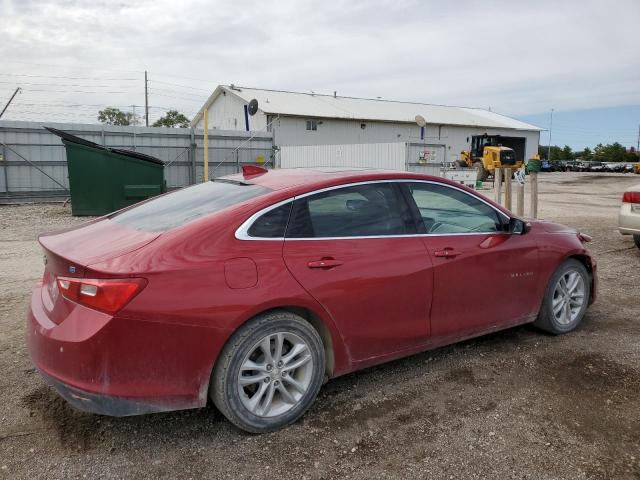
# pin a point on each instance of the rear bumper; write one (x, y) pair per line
(104, 404)
(629, 219)
(121, 366)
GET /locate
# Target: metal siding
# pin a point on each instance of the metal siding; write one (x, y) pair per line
(372, 155)
(173, 146)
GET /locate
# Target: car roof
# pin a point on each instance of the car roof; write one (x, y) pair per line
(307, 179)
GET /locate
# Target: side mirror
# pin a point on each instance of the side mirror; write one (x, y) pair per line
(518, 227)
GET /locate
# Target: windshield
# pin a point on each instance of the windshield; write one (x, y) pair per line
(186, 205)
(508, 155)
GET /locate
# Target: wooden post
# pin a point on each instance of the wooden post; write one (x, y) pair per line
(497, 185)
(205, 175)
(507, 188)
(519, 200)
(534, 194)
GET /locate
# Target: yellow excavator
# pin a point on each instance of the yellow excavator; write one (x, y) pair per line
(487, 154)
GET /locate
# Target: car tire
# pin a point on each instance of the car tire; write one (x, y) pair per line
(565, 302)
(636, 239)
(260, 392)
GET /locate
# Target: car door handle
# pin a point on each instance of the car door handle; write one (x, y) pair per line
(325, 263)
(446, 253)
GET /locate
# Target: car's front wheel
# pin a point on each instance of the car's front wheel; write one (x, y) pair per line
(636, 239)
(269, 373)
(566, 298)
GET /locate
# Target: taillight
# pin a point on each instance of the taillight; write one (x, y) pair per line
(108, 296)
(631, 197)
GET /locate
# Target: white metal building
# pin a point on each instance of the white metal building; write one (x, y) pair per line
(297, 119)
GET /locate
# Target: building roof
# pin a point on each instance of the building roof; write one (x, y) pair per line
(276, 102)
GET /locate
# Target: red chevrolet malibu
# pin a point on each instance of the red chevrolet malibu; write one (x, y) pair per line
(254, 289)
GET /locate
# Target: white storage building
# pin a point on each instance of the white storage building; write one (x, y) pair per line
(308, 119)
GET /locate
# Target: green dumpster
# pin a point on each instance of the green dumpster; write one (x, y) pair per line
(103, 179)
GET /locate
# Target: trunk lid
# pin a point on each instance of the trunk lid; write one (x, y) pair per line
(92, 243)
(68, 253)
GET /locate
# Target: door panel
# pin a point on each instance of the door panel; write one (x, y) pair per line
(378, 292)
(484, 277)
(490, 282)
(345, 247)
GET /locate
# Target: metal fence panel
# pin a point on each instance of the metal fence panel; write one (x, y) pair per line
(33, 162)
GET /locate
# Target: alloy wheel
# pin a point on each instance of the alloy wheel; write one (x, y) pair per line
(275, 374)
(568, 297)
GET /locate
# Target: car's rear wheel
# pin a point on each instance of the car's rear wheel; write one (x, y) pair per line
(636, 239)
(269, 373)
(566, 298)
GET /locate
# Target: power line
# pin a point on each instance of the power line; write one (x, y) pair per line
(182, 86)
(83, 67)
(183, 78)
(64, 85)
(70, 91)
(173, 90)
(179, 98)
(66, 78)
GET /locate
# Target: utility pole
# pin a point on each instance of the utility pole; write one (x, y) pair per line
(638, 146)
(146, 99)
(9, 102)
(550, 128)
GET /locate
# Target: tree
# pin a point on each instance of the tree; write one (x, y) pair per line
(115, 116)
(631, 157)
(613, 152)
(172, 119)
(585, 154)
(567, 153)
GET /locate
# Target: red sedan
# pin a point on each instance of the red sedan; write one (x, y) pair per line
(254, 289)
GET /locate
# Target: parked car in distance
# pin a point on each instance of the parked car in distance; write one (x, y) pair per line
(254, 289)
(596, 167)
(551, 166)
(629, 216)
(614, 167)
(581, 167)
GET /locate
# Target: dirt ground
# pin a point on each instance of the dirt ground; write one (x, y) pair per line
(516, 404)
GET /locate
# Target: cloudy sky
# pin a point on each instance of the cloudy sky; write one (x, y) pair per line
(517, 58)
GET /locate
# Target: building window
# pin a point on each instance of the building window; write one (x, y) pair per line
(312, 125)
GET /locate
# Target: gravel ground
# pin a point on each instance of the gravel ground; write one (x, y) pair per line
(516, 404)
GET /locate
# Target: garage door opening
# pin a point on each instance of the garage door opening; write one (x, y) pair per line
(518, 144)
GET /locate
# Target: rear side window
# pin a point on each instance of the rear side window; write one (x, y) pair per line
(272, 224)
(188, 204)
(375, 209)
